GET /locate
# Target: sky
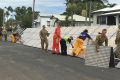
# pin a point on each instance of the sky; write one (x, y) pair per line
(44, 6)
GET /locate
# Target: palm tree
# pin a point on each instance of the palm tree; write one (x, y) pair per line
(71, 7)
(10, 8)
(92, 4)
(77, 6)
(111, 5)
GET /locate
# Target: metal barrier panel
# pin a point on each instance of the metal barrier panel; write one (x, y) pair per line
(98, 59)
(30, 36)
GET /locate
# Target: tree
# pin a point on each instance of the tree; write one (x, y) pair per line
(111, 5)
(27, 21)
(1, 17)
(10, 9)
(71, 8)
(83, 6)
(24, 14)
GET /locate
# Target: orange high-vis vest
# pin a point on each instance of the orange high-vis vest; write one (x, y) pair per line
(78, 47)
(12, 38)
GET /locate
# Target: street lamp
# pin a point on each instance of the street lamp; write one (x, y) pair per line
(33, 25)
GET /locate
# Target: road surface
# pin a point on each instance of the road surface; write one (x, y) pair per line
(19, 62)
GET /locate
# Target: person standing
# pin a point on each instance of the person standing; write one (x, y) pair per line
(117, 42)
(56, 40)
(100, 39)
(43, 36)
(0, 34)
(4, 32)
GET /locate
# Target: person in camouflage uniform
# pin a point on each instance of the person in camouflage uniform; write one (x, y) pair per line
(1, 34)
(100, 39)
(117, 42)
(4, 33)
(43, 36)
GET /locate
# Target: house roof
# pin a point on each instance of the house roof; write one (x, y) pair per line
(115, 8)
(101, 10)
(111, 13)
(63, 17)
(60, 17)
(79, 18)
(75, 17)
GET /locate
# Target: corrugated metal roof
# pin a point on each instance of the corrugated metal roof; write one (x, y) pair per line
(102, 10)
(79, 18)
(63, 17)
(117, 7)
(111, 13)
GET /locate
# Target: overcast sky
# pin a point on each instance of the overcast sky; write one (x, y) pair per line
(115, 1)
(44, 6)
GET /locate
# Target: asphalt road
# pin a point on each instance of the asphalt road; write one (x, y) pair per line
(18, 62)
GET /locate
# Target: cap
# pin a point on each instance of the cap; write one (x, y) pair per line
(43, 26)
(71, 37)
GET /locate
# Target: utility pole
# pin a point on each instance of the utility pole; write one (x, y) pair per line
(86, 14)
(3, 18)
(90, 6)
(33, 25)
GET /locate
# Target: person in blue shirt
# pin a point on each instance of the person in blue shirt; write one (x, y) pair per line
(85, 35)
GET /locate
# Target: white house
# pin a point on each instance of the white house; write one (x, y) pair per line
(107, 16)
(44, 19)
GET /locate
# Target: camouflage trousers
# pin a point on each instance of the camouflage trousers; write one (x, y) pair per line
(118, 50)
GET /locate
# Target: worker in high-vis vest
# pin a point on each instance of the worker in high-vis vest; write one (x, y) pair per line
(78, 47)
(63, 42)
(12, 36)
